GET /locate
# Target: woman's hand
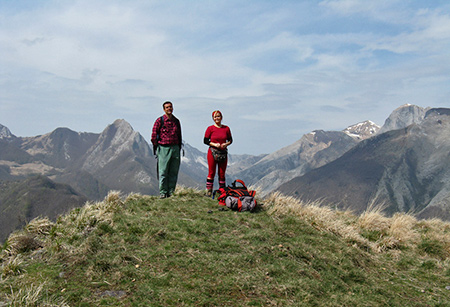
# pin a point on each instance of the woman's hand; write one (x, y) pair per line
(219, 146)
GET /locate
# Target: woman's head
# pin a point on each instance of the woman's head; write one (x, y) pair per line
(217, 118)
(216, 113)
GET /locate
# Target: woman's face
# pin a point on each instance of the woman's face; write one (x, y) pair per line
(217, 118)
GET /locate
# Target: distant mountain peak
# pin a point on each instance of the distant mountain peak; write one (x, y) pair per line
(121, 123)
(404, 116)
(362, 130)
(5, 133)
(119, 131)
(117, 139)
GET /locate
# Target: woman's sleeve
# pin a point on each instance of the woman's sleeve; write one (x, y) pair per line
(230, 137)
(207, 138)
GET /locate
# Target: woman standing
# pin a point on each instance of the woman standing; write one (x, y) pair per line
(218, 138)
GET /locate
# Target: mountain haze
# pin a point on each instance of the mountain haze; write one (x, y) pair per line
(312, 150)
(401, 165)
(118, 158)
(21, 201)
(87, 164)
(121, 159)
(405, 170)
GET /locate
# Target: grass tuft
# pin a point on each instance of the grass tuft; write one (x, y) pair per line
(39, 226)
(21, 242)
(33, 296)
(12, 266)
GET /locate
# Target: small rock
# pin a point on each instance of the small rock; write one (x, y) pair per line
(118, 294)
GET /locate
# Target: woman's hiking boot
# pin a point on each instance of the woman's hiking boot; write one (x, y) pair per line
(208, 193)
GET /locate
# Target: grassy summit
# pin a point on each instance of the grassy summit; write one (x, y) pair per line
(184, 251)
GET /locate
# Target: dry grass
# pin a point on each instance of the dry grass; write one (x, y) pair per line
(322, 218)
(373, 219)
(89, 215)
(181, 190)
(402, 228)
(31, 296)
(12, 266)
(20, 242)
(81, 221)
(258, 194)
(39, 226)
(386, 233)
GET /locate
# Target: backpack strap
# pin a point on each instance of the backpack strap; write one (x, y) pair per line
(158, 135)
(239, 204)
(240, 192)
(239, 181)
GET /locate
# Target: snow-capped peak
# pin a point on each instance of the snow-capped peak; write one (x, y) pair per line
(362, 130)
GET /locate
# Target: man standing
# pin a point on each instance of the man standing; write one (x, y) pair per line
(166, 139)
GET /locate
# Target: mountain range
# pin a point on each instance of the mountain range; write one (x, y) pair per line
(88, 164)
(330, 165)
(401, 170)
(311, 151)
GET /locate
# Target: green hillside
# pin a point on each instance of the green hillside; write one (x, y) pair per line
(23, 200)
(187, 251)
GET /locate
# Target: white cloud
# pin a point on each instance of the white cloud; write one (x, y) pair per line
(289, 64)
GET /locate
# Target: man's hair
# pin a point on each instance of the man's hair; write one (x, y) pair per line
(167, 102)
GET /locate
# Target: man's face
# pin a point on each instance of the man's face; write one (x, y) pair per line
(168, 109)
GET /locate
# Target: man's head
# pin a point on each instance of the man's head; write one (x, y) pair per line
(168, 108)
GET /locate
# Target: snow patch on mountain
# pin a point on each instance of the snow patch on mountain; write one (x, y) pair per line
(5, 133)
(362, 130)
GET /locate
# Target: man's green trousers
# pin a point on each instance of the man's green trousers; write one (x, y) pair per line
(168, 166)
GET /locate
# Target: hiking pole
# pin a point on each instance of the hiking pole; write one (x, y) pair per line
(157, 164)
(157, 168)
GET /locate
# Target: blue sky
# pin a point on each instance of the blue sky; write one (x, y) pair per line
(276, 69)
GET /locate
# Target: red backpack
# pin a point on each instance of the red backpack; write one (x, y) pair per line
(237, 198)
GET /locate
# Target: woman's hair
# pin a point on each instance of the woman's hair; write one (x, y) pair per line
(215, 112)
